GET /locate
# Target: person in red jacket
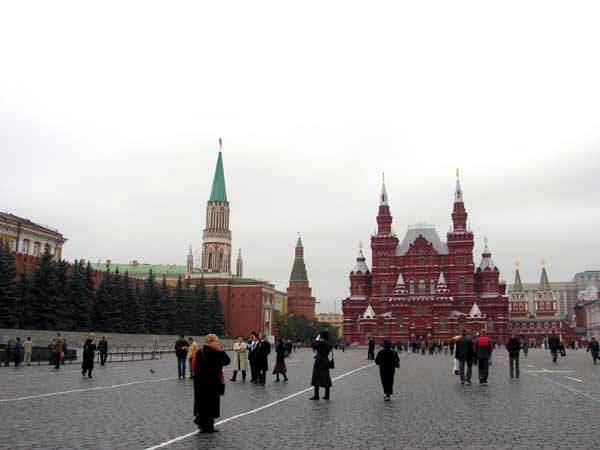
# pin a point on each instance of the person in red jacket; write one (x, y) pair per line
(483, 350)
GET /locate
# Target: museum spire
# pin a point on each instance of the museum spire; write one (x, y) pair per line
(218, 192)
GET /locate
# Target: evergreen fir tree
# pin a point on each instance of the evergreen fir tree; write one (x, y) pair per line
(44, 287)
(185, 307)
(217, 322)
(117, 298)
(103, 306)
(8, 289)
(25, 309)
(150, 301)
(136, 311)
(166, 320)
(77, 297)
(60, 313)
(88, 304)
(201, 315)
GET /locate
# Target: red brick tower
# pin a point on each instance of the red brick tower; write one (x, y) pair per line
(300, 300)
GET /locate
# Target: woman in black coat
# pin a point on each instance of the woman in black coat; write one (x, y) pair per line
(280, 367)
(209, 383)
(89, 353)
(320, 374)
(387, 360)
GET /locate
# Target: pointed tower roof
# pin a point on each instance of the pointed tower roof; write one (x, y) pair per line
(475, 311)
(458, 195)
(369, 313)
(190, 252)
(486, 258)
(544, 283)
(218, 192)
(383, 199)
(299, 269)
(361, 265)
(518, 286)
(441, 279)
(400, 281)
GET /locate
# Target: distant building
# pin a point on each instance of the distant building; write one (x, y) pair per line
(337, 320)
(299, 294)
(421, 288)
(247, 302)
(280, 302)
(22, 236)
(587, 312)
(535, 315)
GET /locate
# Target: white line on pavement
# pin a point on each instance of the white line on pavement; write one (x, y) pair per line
(84, 390)
(576, 379)
(237, 416)
(585, 394)
(530, 365)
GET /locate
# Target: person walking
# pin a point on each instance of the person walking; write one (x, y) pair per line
(103, 350)
(388, 361)
(28, 349)
(464, 355)
(483, 349)
(263, 349)
(181, 346)
(252, 356)
(513, 347)
(371, 349)
(57, 348)
(554, 344)
(320, 373)
(191, 351)
(89, 354)
(525, 347)
(208, 365)
(280, 367)
(240, 358)
(593, 348)
(18, 352)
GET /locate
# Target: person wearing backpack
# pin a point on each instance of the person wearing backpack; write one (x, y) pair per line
(388, 361)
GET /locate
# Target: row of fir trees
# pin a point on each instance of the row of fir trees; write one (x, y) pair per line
(62, 296)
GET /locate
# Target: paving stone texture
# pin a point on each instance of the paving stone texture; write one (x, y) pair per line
(137, 405)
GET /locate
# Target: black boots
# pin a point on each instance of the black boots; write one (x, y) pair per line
(234, 376)
(316, 396)
(326, 396)
(243, 375)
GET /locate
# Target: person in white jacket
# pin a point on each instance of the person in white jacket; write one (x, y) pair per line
(240, 358)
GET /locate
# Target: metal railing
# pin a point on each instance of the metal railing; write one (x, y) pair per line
(125, 354)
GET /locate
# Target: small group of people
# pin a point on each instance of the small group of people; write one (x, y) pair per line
(89, 354)
(469, 351)
(18, 352)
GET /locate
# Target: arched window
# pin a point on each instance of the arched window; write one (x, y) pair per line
(421, 286)
(411, 286)
(210, 258)
(462, 285)
(383, 287)
(432, 286)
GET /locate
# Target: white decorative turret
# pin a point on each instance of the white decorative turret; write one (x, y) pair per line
(190, 262)
(361, 265)
(442, 287)
(239, 266)
(369, 313)
(486, 258)
(458, 195)
(400, 288)
(475, 311)
(383, 200)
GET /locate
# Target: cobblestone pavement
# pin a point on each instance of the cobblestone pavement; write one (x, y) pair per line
(126, 406)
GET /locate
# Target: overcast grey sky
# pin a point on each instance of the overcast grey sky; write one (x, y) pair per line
(110, 116)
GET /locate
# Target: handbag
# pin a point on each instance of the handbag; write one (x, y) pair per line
(331, 361)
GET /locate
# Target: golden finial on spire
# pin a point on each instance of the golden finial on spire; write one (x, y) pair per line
(543, 262)
(457, 173)
(220, 144)
(383, 176)
(517, 264)
(485, 241)
(360, 245)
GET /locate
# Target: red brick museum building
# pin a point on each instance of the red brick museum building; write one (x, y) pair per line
(421, 288)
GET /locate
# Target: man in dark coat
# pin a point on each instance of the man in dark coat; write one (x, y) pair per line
(387, 360)
(89, 353)
(320, 374)
(464, 354)
(483, 349)
(371, 351)
(252, 357)
(554, 344)
(262, 358)
(593, 347)
(18, 352)
(513, 347)
(181, 346)
(208, 365)
(103, 350)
